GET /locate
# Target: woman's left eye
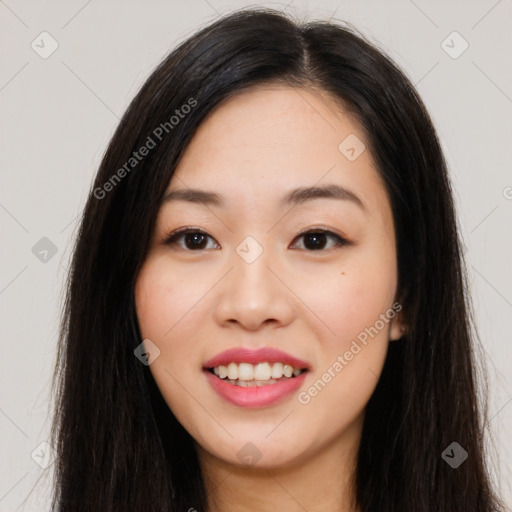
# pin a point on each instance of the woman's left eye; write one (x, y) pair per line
(315, 239)
(195, 239)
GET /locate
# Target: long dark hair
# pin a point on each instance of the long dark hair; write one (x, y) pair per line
(118, 445)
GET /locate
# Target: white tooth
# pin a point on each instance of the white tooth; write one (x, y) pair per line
(233, 371)
(255, 375)
(262, 371)
(246, 371)
(223, 372)
(242, 383)
(277, 370)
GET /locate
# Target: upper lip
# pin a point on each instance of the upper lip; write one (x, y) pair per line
(261, 355)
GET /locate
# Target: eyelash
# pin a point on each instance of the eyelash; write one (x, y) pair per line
(172, 238)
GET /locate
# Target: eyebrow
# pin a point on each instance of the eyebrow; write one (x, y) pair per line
(293, 197)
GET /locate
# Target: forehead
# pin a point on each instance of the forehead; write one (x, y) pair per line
(264, 141)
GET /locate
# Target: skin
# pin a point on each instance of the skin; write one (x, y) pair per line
(195, 303)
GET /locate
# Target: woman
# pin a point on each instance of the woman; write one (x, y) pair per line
(266, 307)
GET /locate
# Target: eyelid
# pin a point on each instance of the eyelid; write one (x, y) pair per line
(170, 238)
(329, 232)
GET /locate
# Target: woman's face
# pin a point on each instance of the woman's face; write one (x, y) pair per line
(250, 279)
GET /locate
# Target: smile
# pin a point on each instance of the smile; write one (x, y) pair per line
(261, 374)
(255, 378)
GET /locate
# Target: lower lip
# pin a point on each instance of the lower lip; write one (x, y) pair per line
(256, 396)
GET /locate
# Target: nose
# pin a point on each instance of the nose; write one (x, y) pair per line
(253, 294)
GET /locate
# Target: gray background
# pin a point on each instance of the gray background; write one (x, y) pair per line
(58, 113)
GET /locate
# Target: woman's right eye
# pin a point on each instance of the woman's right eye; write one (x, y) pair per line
(193, 239)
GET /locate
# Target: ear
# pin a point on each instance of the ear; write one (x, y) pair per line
(398, 326)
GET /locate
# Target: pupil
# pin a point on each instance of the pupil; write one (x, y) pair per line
(317, 239)
(197, 240)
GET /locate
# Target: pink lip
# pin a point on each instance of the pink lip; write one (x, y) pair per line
(257, 396)
(254, 397)
(261, 355)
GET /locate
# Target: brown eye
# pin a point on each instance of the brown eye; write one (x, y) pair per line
(316, 240)
(189, 239)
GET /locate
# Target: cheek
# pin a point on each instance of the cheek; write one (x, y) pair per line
(362, 297)
(152, 300)
(168, 315)
(171, 307)
(351, 298)
(164, 301)
(354, 348)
